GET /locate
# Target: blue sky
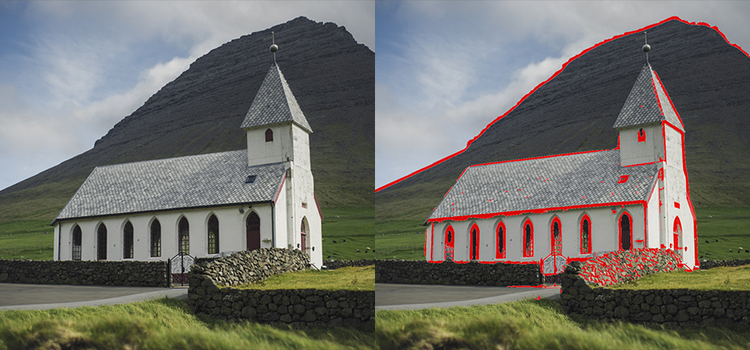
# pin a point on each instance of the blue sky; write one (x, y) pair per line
(69, 71)
(444, 69)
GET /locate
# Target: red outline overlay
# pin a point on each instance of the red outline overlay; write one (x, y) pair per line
(527, 254)
(555, 219)
(675, 233)
(675, 18)
(498, 253)
(580, 225)
(619, 229)
(452, 242)
(278, 192)
(473, 243)
(641, 135)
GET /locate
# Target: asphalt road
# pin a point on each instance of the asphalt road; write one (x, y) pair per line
(14, 296)
(412, 296)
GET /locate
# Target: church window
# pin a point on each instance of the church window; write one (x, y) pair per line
(586, 235)
(213, 235)
(253, 231)
(155, 239)
(500, 236)
(76, 243)
(528, 239)
(474, 242)
(183, 230)
(556, 236)
(127, 241)
(641, 135)
(626, 231)
(269, 135)
(101, 242)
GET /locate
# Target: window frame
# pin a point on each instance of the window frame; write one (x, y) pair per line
(213, 242)
(586, 218)
(127, 241)
(500, 253)
(528, 253)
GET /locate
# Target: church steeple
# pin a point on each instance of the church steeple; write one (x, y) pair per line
(647, 103)
(274, 104)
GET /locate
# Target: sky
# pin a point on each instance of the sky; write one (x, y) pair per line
(444, 70)
(69, 71)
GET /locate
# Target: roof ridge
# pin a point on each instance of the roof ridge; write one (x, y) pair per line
(169, 158)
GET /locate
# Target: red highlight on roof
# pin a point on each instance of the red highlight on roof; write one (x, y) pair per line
(673, 18)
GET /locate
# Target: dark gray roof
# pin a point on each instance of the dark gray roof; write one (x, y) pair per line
(647, 103)
(186, 182)
(553, 182)
(274, 103)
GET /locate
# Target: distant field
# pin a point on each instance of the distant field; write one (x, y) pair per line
(352, 228)
(404, 239)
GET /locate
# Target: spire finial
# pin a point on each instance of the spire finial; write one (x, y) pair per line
(646, 47)
(274, 47)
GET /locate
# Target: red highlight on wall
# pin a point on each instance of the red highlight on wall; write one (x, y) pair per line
(674, 18)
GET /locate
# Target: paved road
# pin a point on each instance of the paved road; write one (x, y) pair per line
(14, 296)
(412, 296)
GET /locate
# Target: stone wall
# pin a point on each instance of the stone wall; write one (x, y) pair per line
(210, 292)
(670, 307)
(105, 273)
(447, 272)
(709, 264)
(624, 266)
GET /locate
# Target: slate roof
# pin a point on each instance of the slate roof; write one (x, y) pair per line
(175, 183)
(647, 103)
(552, 182)
(274, 103)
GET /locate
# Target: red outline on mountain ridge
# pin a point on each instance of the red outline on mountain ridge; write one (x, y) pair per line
(673, 18)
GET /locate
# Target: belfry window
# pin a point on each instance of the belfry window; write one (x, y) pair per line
(269, 135)
(641, 135)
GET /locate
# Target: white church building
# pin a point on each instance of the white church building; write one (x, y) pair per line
(554, 209)
(204, 205)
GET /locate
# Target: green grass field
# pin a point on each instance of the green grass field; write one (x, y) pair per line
(161, 324)
(345, 278)
(404, 239)
(536, 324)
(718, 278)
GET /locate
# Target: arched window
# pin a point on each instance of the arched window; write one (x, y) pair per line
(586, 235)
(626, 231)
(677, 234)
(474, 242)
(76, 243)
(127, 241)
(253, 231)
(641, 135)
(500, 236)
(213, 235)
(101, 242)
(303, 235)
(528, 239)
(450, 242)
(556, 236)
(155, 239)
(269, 135)
(183, 230)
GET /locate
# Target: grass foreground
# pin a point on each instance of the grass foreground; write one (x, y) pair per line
(718, 278)
(161, 324)
(536, 324)
(345, 278)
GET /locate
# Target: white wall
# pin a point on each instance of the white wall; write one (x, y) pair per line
(261, 152)
(634, 152)
(676, 196)
(604, 231)
(232, 232)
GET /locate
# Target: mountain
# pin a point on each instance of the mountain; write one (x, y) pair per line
(332, 77)
(707, 79)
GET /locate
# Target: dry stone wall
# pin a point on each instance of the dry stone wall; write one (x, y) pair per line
(709, 264)
(624, 266)
(670, 307)
(210, 292)
(336, 264)
(105, 273)
(448, 272)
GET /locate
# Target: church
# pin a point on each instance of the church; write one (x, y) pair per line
(555, 209)
(204, 205)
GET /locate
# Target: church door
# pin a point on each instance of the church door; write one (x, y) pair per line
(449, 243)
(677, 236)
(303, 238)
(253, 231)
(625, 232)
